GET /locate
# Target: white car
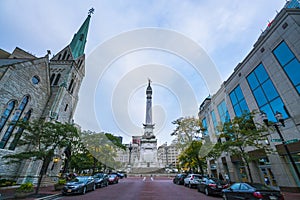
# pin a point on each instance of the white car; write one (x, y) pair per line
(192, 180)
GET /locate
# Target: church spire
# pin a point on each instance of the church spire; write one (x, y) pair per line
(78, 42)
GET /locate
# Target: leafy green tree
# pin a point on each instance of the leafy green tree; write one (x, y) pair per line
(103, 147)
(39, 142)
(192, 158)
(241, 133)
(187, 129)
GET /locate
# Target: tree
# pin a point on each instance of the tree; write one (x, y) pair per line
(40, 140)
(103, 147)
(187, 129)
(191, 157)
(240, 134)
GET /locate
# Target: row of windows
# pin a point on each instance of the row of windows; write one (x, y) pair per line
(262, 88)
(11, 124)
(54, 80)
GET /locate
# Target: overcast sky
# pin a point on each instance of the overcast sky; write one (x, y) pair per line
(223, 31)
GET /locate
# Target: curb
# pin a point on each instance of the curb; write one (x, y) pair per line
(49, 197)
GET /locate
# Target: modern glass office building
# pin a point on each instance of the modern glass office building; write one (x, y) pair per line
(267, 80)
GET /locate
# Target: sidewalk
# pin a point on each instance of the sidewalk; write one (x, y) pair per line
(9, 193)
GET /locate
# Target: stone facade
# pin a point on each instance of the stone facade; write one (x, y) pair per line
(49, 90)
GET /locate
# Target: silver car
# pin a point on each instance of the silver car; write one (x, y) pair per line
(192, 180)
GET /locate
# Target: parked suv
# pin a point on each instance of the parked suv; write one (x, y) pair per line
(192, 180)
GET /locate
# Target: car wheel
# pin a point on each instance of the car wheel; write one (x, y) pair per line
(198, 188)
(224, 196)
(84, 190)
(94, 187)
(206, 192)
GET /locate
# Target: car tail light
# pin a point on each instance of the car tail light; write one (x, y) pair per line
(212, 185)
(257, 195)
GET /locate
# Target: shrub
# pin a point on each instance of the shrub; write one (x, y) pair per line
(61, 182)
(26, 187)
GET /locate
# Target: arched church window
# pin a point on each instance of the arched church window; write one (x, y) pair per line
(71, 84)
(66, 107)
(57, 79)
(68, 56)
(59, 57)
(18, 135)
(74, 85)
(5, 115)
(35, 80)
(14, 119)
(52, 78)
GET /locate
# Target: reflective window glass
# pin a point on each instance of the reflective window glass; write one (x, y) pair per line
(293, 71)
(266, 95)
(269, 90)
(239, 104)
(261, 73)
(289, 63)
(277, 105)
(252, 80)
(233, 98)
(260, 97)
(283, 54)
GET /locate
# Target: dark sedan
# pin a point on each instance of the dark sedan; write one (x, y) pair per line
(79, 185)
(211, 186)
(101, 180)
(251, 191)
(179, 179)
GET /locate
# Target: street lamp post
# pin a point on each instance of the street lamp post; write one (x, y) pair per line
(130, 149)
(280, 122)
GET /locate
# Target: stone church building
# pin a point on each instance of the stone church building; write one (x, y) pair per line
(38, 88)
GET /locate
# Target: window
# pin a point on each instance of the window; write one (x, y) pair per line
(35, 80)
(15, 118)
(215, 122)
(238, 101)
(5, 115)
(264, 92)
(223, 112)
(204, 124)
(289, 63)
(52, 78)
(71, 84)
(19, 132)
(57, 79)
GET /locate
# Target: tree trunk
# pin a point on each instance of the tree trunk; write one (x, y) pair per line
(43, 171)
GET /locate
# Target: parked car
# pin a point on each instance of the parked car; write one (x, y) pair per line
(192, 180)
(179, 179)
(251, 191)
(113, 178)
(79, 185)
(211, 186)
(101, 180)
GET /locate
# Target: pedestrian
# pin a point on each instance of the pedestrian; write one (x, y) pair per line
(151, 178)
(221, 177)
(144, 179)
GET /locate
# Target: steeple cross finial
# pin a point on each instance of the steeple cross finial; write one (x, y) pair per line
(91, 11)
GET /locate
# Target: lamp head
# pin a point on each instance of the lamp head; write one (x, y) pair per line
(264, 118)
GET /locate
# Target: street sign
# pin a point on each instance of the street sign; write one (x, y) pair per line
(291, 141)
(276, 140)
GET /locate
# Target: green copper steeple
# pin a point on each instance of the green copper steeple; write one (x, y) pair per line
(77, 44)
